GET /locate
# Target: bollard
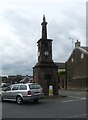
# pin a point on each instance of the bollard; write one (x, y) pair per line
(50, 90)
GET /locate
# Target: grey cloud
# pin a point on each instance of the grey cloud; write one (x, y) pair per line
(22, 51)
(24, 27)
(19, 53)
(18, 67)
(61, 33)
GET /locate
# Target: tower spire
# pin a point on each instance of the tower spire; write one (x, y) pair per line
(44, 28)
(44, 18)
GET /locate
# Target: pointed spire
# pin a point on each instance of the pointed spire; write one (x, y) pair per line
(44, 18)
(44, 28)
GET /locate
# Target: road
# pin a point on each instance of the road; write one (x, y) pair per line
(72, 106)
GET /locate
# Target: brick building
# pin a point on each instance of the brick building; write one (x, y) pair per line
(77, 68)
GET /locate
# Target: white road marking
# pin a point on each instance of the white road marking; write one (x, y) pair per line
(74, 100)
(76, 116)
(75, 97)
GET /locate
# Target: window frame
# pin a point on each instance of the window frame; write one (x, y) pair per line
(22, 89)
(15, 89)
(8, 87)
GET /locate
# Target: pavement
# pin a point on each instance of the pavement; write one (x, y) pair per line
(73, 93)
(64, 93)
(69, 93)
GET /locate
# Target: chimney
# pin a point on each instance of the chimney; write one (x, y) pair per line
(77, 44)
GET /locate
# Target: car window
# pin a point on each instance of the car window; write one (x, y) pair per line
(23, 87)
(8, 88)
(15, 87)
(34, 86)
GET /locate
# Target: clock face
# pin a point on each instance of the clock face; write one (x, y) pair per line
(46, 53)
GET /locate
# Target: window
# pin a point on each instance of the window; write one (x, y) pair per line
(8, 88)
(82, 55)
(15, 87)
(23, 87)
(34, 86)
(69, 80)
(72, 59)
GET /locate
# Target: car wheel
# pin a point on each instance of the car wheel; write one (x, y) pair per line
(19, 100)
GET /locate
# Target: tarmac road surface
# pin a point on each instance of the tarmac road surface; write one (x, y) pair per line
(72, 106)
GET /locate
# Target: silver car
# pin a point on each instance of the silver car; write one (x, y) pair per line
(23, 92)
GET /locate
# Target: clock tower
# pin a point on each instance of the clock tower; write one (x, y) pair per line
(45, 72)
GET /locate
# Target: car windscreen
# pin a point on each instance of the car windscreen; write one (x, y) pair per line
(34, 86)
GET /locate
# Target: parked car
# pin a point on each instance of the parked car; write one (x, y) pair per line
(23, 92)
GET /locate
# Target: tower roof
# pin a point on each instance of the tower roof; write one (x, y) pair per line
(44, 18)
(44, 28)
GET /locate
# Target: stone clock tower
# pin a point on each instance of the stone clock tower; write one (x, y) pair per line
(45, 72)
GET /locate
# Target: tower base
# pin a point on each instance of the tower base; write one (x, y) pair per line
(46, 74)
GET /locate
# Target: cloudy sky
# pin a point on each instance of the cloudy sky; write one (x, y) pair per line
(20, 29)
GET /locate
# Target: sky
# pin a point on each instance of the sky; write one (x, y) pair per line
(20, 29)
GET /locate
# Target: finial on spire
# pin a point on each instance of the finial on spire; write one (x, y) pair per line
(44, 18)
(44, 28)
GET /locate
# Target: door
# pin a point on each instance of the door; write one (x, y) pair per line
(7, 92)
(14, 92)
